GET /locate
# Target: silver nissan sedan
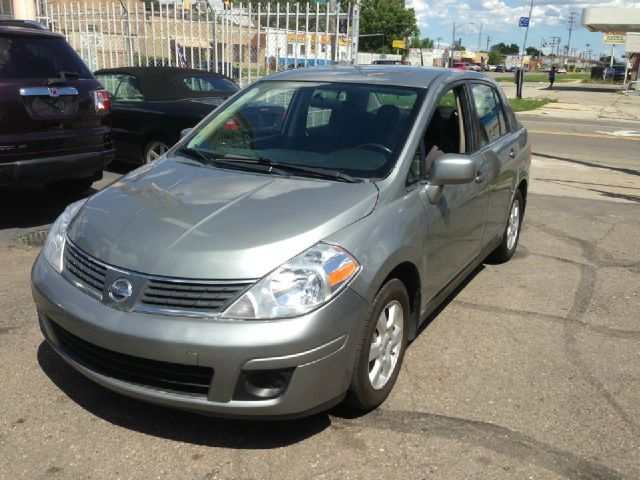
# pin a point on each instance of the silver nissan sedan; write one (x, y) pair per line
(282, 255)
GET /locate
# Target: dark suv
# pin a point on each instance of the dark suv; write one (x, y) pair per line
(54, 114)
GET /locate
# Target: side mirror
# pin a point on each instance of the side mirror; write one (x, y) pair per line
(185, 132)
(452, 169)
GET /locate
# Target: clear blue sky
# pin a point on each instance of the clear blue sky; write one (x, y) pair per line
(500, 22)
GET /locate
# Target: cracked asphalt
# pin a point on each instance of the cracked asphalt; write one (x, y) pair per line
(531, 370)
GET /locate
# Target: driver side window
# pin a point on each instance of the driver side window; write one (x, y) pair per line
(446, 132)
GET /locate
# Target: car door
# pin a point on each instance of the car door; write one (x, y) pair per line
(499, 147)
(456, 215)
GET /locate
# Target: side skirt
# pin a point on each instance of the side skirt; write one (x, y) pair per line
(448, 289)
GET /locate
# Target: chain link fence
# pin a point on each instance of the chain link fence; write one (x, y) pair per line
(243, 41)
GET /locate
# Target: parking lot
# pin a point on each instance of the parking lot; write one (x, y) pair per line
(531, 370)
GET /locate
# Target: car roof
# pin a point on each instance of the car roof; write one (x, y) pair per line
(27, 32)
(396, 75)
(164, 83)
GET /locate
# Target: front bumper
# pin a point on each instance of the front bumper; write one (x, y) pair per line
(318, 347)
(49, 169)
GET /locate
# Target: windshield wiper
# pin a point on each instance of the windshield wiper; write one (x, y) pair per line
(195, 154)
(291, 167)
(205, 159)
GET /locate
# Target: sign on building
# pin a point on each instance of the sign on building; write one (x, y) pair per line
(614, 38)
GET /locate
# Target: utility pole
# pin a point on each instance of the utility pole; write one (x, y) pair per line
(333, 7)
(453, 41)
(522, 53)
(572, 18)
(479, 36)
(488, 38)
(439, 38)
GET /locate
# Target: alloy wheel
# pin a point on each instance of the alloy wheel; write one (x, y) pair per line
(386, 344)
(154, 151)
(514, 224)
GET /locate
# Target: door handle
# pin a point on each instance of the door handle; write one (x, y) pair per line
(512, 153)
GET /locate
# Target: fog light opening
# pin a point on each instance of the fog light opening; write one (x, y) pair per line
(262, 384)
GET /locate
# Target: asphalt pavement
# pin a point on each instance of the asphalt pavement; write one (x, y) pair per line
(531, 370)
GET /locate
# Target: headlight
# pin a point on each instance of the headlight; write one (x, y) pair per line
(302, 284)
(54, 244)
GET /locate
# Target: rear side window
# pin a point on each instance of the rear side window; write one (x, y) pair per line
(31, 57)
(122, 86)
(491, 117)
(210, 84)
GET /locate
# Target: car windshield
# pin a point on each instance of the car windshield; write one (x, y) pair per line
(31, 57)
(354, 129)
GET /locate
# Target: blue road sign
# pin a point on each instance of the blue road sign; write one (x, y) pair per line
(524, 22)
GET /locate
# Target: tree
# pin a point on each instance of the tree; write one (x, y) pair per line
(388, 17)
(417, 42)
(495, 58)
(534, 52)
(504, 49)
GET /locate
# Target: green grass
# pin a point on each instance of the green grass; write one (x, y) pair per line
(525, 104)
(544, 77)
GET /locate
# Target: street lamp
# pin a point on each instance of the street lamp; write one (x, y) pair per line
(454, 40)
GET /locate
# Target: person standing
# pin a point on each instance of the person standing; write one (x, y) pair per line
(552, 76)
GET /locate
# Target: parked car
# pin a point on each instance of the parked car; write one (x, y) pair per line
(473, 67)
(561, 70)
(280, 257)
(616, 73)
(500, 69)
(152, 105)
(459, 66)
(390, 62)
(511, 69)
(54, 115)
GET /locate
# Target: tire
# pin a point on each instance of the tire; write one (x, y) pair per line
(507, 247)
(153, 150)
(365, 393)
(71, 186)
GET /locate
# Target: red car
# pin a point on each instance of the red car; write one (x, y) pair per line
(54, 114)
(459, 66)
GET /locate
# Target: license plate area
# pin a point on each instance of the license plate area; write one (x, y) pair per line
(50, 103)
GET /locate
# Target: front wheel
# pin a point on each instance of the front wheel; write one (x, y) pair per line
(154, 150)
(511, 235)
(381, 348)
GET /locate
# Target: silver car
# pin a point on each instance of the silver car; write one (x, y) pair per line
(281, 256)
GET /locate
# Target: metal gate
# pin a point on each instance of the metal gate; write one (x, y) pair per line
(244, 41)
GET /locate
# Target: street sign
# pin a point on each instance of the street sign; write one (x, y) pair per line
(398, 44)
(524, 22)
(614, 38)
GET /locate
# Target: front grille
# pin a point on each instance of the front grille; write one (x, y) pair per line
(186, 379)
(152, 294)
(81, 266)
(192, 296)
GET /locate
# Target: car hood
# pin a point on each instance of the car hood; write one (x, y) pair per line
(181, 220)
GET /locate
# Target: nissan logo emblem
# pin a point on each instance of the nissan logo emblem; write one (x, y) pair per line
(120, 290)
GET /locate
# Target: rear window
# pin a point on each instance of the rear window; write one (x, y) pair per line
(31, 57)
(210, 84)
